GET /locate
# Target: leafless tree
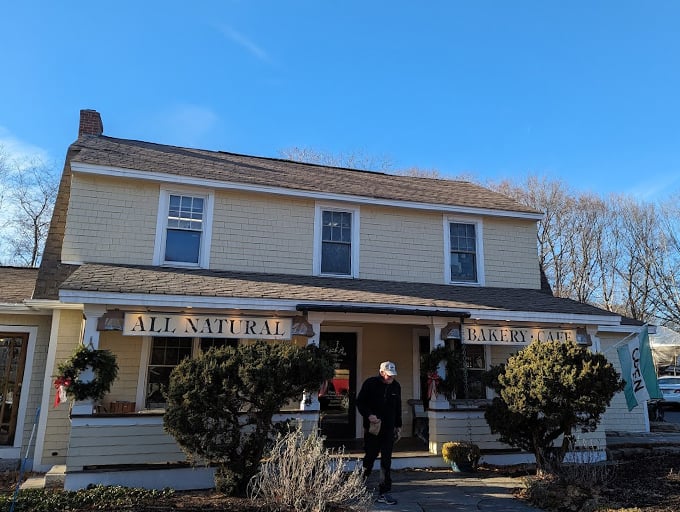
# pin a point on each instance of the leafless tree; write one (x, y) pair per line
(554, 199)
(29, 191)
(665, 265)
(607, 255)
(640, 236)
(352, 160)
(581, 243)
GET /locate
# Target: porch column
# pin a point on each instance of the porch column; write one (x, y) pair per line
(592, 331)
(310, 400)
(439, 401)
(92, 314)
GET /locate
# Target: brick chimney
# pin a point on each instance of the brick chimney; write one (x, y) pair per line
(90, 123)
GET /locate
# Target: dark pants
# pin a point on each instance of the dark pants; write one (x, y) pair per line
(381, 444)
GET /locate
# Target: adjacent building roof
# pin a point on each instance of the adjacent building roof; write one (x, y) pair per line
(17, 284)
(135, 279)
(272, 172)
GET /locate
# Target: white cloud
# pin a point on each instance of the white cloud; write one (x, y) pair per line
(243, 41)
(188, 124)
(16, 150)
(655, 186)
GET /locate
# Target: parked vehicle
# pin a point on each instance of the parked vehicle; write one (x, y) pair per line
(672, 369)
(670, 389)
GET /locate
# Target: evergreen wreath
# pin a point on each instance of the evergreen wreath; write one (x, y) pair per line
(104, 367)
(429, 363)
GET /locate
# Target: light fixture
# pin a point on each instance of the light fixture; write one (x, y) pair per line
(451, 331)
(111, 321)
(301, 327)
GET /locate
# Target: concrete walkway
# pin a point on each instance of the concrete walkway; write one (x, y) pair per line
(441, 490)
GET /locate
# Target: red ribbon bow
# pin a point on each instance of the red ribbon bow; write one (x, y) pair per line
(60, 383)
(433, 380)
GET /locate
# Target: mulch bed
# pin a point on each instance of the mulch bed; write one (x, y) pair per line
(650, 484)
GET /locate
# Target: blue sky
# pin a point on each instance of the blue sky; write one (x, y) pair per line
(583, 91)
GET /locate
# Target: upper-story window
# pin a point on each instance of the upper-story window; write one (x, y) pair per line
(336, 241)
(183, 231)
(463, 248)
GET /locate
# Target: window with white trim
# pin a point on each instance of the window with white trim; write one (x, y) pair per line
(183, 237)
(166, 353)
(463, 252)
(336, 241)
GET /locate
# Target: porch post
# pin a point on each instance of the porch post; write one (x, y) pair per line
(310, 401)
(592, 331)
(90, 338)
(439, 402)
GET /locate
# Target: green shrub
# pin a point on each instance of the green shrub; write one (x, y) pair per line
(548, 390)
(220, 405)
(96, 498)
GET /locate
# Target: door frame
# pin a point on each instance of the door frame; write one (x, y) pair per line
(14, 451)
(359, 378)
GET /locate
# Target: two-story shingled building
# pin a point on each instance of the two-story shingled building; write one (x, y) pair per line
(156, 252)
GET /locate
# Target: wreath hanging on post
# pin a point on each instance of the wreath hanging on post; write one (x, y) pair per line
(104, 369)
(429, 364)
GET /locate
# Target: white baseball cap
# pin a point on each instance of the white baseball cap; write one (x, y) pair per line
(389, 368)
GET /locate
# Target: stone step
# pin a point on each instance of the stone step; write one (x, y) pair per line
(55, 477)
(34, 482)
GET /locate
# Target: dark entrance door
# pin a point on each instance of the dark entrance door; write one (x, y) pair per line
(337, 396)
(12, 362)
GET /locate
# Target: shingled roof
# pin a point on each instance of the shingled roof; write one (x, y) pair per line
(93, 148)
(17, 284)
(272, 172)
(135, 279)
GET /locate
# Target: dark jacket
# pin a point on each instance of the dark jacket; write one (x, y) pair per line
(383, 400)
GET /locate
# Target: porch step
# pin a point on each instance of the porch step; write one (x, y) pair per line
(34, 482)
(55, 477)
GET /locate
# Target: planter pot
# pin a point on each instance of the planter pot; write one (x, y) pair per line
(462, 467)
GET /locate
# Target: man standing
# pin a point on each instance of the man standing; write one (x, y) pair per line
(379, 402)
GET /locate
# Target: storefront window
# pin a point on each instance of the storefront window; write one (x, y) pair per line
(470, 384)
(166, 353)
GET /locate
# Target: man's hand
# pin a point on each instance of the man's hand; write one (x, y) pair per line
(373, 418)
(397, 434)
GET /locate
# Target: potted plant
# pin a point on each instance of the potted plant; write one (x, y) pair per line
(462, 455)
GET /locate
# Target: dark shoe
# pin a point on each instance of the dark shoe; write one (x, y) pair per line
(386, 499)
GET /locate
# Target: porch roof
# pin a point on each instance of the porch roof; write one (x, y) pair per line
(111, 279)
(17, 284)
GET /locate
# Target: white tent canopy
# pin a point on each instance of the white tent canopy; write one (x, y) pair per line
(665, 345)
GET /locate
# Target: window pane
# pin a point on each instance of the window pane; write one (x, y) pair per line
(166, 353)
(336, 258)
(463, 267)
(182, 245)
(185, 212)
(336, 248)
(463, 239)
(337, 226)
(469, 385)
